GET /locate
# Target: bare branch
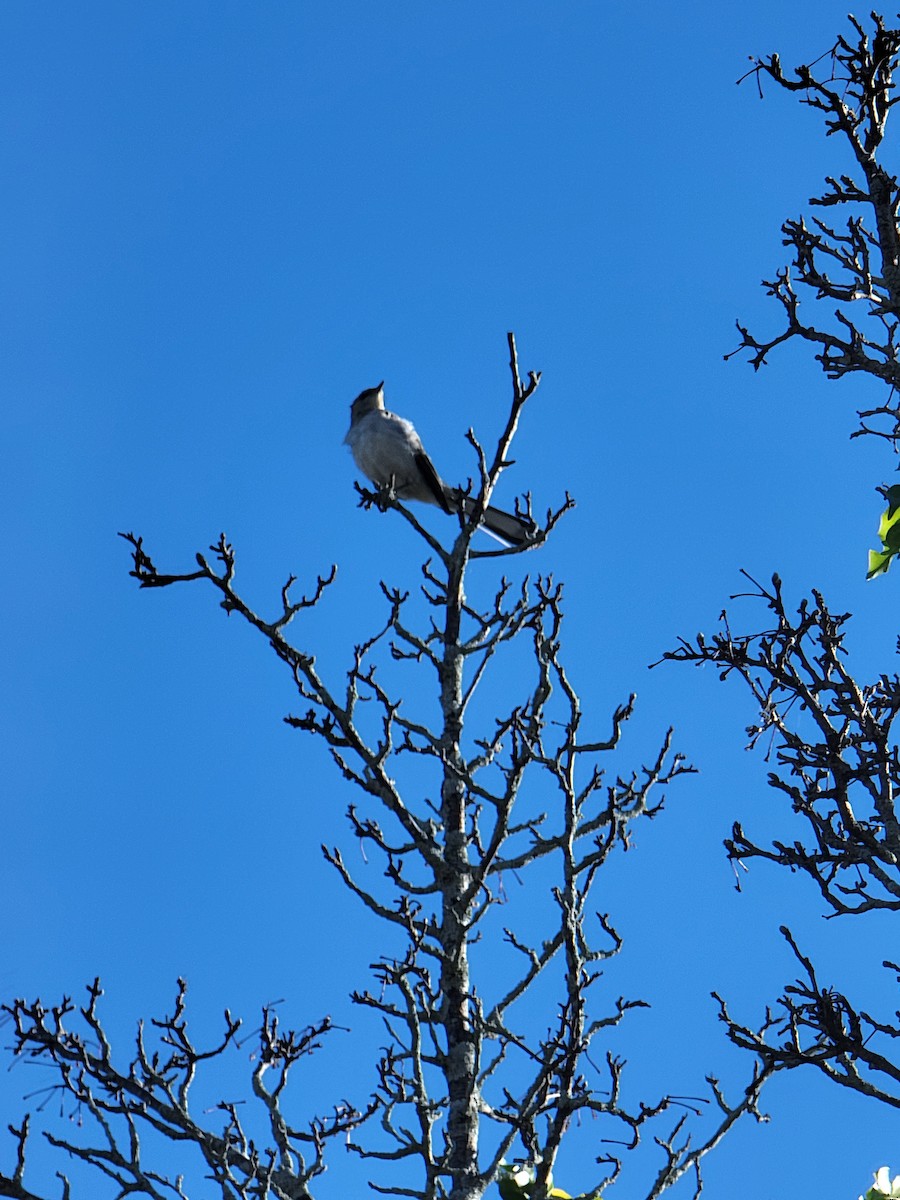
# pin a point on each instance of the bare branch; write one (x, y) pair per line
(837, 759)
(152, 1089)
(816, 1026)
(459, 1050)
(853, 86)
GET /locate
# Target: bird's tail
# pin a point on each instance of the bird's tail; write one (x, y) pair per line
(509, 528)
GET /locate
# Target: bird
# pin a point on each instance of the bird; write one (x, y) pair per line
(389, 452)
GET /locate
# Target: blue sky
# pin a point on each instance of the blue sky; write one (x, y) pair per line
(223, 221)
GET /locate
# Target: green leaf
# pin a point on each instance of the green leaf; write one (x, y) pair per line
(508, 1189)
(878, 563)
(888, 534)
(891, 537)
(515, 1180)
(892, 495)
(884, 524)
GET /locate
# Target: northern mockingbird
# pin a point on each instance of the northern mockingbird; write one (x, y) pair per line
(387, 450)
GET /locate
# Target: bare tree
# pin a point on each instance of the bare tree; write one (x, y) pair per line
(838, 767)
(832, 738)
(855, 266)
(470, 1074)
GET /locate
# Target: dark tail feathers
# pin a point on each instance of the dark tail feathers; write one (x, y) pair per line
(513, 530)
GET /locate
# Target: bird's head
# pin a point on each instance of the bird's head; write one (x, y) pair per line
(367, 401)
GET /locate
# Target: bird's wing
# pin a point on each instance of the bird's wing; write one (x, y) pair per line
(431, 479)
